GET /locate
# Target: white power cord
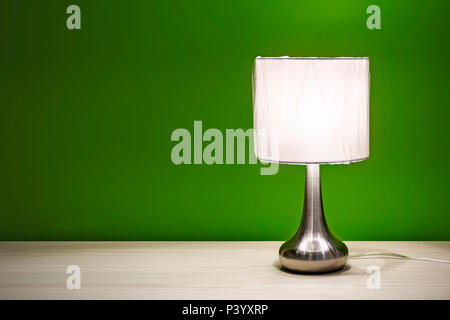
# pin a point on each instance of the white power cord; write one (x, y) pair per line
(390, 255)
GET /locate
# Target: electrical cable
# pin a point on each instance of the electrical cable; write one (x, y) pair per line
(391, 255)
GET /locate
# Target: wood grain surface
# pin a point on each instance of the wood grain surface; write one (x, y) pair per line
(213, 270)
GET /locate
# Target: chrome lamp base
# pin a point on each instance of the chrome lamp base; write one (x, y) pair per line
(313, 249)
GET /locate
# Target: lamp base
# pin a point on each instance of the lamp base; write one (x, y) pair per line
(313, 249)
(308, 261)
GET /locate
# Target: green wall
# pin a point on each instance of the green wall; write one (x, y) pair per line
(86, 119)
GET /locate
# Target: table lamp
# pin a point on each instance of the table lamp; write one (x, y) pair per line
(319, 110)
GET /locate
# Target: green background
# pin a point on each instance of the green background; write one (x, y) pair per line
(86, 118)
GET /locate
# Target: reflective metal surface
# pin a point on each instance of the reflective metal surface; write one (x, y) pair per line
(313, 249)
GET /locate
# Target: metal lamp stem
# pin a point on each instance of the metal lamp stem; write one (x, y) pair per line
(313, 249)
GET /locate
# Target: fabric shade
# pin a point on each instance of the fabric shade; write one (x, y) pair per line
(311, 110)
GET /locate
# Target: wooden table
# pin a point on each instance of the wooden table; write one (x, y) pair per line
(214, 270)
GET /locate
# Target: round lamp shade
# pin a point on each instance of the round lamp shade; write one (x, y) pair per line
(311, 110)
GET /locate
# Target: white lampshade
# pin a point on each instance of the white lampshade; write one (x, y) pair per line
(318, 109)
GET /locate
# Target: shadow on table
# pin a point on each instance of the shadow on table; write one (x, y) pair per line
(354, 266)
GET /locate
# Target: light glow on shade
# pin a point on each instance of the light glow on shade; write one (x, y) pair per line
(319, 108)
